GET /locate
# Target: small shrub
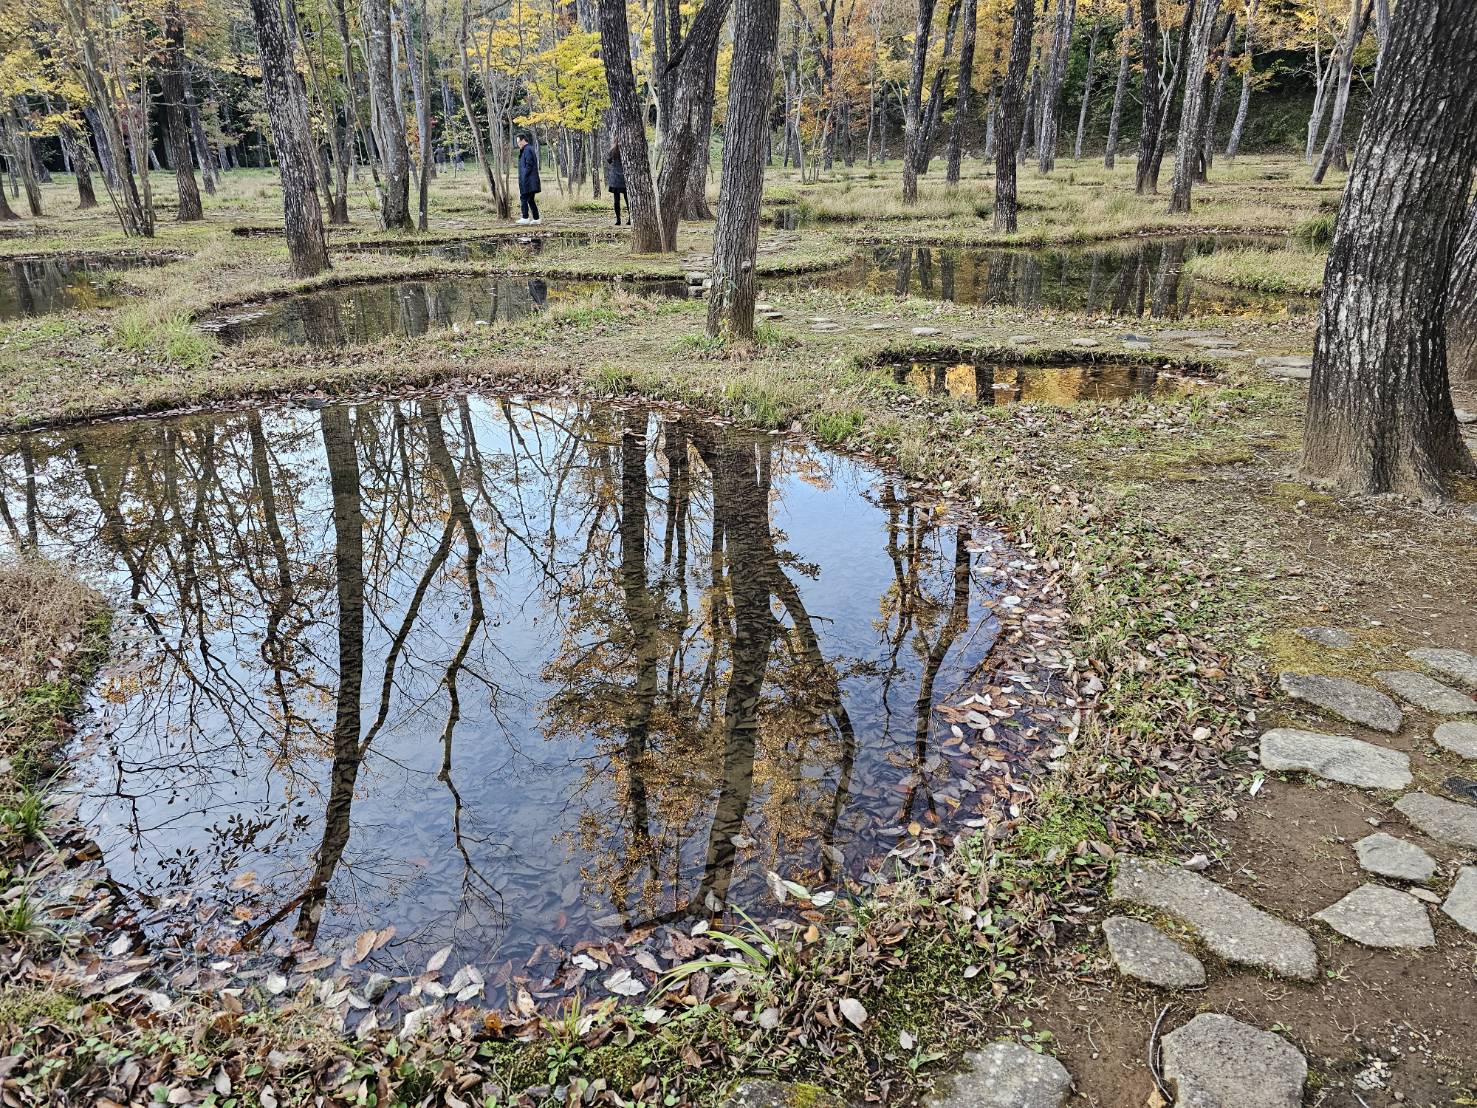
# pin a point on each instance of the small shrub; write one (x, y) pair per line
(1316, 232)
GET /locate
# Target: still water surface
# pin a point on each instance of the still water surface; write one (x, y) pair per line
(501, 674)
(38, 286)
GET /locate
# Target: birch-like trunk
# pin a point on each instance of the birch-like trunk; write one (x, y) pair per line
(913, 106)
(1097, 25)
(1243, 108)
(1115, 120)
(1007, 134)
(388, 119)
(1359, 12)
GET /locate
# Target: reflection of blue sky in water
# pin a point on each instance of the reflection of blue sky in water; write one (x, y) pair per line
(598, 735)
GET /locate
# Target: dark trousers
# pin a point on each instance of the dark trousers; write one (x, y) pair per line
(619, 195)
(528, 201)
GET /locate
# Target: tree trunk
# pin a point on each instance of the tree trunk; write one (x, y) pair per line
(419, 66)
(177, 126)
(1110, 154)
(1051, 90)
(20, 153)
(628, 120)
(302, 217)
(1322, 74)
(1461, 300)
(1007, 134)
(1149, 135)
(913, 106)
(1097, 24)
(736, 239)
(961, 97)
(1243, 107)
(75, 148)
(1188, 139)
(203, 154)
(389, 122)
(1359, 12)
(935, 107)
(1166, 100)
(1205, 137)
(692, 73)
(1380, 416)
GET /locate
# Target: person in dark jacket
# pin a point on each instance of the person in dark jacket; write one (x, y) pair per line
(615, 179)
(529, 185)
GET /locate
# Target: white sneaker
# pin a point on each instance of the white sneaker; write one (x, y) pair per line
(540, 219)
(524, 220)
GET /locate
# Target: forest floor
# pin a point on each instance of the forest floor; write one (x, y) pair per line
(1189, 548)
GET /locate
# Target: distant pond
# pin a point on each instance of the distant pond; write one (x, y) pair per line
(38, 286)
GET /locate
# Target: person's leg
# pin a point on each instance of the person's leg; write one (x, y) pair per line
(617, 195)
(523, 204)
(533, 206)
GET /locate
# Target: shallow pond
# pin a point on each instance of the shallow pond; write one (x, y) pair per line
(510, 675)
(1144, 277)
(999, 385)
(370, 311)
(36, 286)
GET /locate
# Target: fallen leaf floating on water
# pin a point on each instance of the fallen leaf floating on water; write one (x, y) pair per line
(437, 960)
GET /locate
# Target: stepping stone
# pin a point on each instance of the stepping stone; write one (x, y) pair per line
(1290, 373)
(1086, 342)
(1287, 361)
(924, 332)
(1215, 1061)
(1388, 856)
(1210, 344)
(826, 328)
(1423, 692)
(1336, 758)
(1232, 928)
(763, 1093)
(820, 319)
(761, 306)
(1461, 905)
(1440, 818)
(1464, 416)
(1129, 344)
(1381, 917)
(1140, 950)
(1459, 737)
(1025, 338)
(1182, 336)
(879, 327)
(1330, 637)
(1005, 1075)
(1460, 666)
(774, 315)
(1129, 336)
(1348, 699)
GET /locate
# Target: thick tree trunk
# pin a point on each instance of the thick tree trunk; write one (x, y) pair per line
(177, 127)
(736, 239)
(1110, 154)
(1461, 304)
(913, 106)
(1188, 145)
(389, 121)
(203, 153)
(419, 66)
(961, 97)
(1380, 416)
(692, 74)
(1051, 90)
(1359, 12)
(1244, 106)
(1146, 178)
(1097, 25)
(74, 146)
(1007, 134)
(628, 118)
(288, 112)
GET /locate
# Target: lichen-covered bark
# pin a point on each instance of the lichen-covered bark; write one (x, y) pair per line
(1012, 108)
(913, 105)
(1461, 304)
(1380, 416)
(1149, 135)
(1187, 145)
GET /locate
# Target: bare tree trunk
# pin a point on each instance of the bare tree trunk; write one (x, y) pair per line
(1110, 154)
(1359, 12)
(934, 110)
(1461, 300)
(736, 239)
(913, 106)
(1187, 145)
(1244, 107)
(1007, 134)
(1149, 136)
(1205, 136)
(692, 76)
(1322, 74)
(75, 148)
(1166, 101)
(961, 96)
(389, 121)
(1051, 90)
(21, 154)
(1097, 25)
(203, 154)
(417, 61)
(1380, 416)
(628, 121)
(177, 127)
(302, 217)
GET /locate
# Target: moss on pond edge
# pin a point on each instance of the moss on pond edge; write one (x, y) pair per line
(927, 957)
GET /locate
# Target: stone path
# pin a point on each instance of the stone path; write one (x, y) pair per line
(1140, 950)
(1423, 692)
(1443, 819)
(1387, 856)
(1215, 1061)
(1335, 757)
(1460, 666)
(1458, 737)
(1005, 1075)
(1382, 917)
(1344, 698)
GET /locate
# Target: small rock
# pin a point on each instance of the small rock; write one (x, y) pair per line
(1460, 666)
(1142, 951)
(1441, 818)
(761, 306)
(1210, 343)
(1348, 761)
(763, 1093)
(820, 319)
(1005, 1075)
(1232, 928)
(1287, 361)
(1461, 904)
(1423, 692)
(696, 277)
(1330, 637)
(1215, 1061)
(1391, 857)
(1129, 336)
(1086, 342)
(1181, 336)
(1290, 373)
(879, 327)
(1459, 737)
(1381, 917)
(1129, 344)
(1352, 701)
(1023, 339)
(1464, 416)
(924, 332)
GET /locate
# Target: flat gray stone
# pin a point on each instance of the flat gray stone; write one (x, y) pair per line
(1330, 637)
(924, 332)
(1140, 950)
(766, 1093)
(1210, 343)
(1287, 361)
(1423, 692)
(1344, 698)
(1464, 416)
(1135, 344)
(1086, 342)
(879, 327)
(1388, 856)
(1441, 818)
(1335, 757)
(1381, 917)
(1180, 336)
(1459, 737)
(1290, 372)
(1215, 1061)
(1025, 338)
(1005, 1075)
(1461, 904)
(1460, 666)
(1232, 928)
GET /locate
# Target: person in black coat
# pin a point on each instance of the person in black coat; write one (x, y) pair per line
(529, 185)
(615, 179)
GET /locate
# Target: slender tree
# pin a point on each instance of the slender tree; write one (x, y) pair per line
(736, 239)
(627, 118)
(1243, 106)
(1149, 135)
(1051, 87)
(1380, 416)
(1011, 113)
(1333, 145)
(913, 105)
(1115, 118)
(1188, 145)
(302, 217)
(1097, 25)
(962, 94)
(388, 119)
(177, 126)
